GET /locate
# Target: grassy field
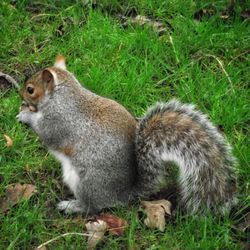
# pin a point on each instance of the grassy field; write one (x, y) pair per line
(201, 57)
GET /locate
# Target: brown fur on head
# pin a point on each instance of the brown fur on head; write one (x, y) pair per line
(41, 84)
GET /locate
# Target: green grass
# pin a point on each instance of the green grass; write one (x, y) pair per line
(205, 62)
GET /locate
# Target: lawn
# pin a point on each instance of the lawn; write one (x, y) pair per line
(201, 57)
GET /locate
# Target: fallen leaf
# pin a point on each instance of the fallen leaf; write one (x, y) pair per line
(156, 211)
(96, 230)
(16, 193)
(8, 140)
(115, 224)
(101, 224)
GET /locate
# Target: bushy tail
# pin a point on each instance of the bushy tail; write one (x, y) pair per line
(177, 133)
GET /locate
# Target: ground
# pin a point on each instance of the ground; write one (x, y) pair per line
(201, 56)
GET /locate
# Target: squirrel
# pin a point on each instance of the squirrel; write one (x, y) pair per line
(110, 158)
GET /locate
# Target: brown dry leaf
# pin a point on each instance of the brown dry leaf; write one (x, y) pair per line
(8, 140)
(115, 224)
(96, 229)
(156, 211)
(15, 193)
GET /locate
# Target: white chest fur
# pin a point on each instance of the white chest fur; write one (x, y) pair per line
(70, 176)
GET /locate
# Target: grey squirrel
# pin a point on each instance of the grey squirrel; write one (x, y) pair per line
(110, 158)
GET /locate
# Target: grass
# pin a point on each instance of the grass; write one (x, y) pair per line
(205, 62)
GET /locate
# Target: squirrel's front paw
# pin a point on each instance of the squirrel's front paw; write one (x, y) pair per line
(23, 116)
(70, 207)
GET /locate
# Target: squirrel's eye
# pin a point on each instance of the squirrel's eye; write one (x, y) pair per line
(30, 90)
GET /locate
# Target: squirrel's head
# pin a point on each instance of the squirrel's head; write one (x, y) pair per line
(43, 82)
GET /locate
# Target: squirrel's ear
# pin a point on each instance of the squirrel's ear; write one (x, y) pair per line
(60, 62)
(48, 78)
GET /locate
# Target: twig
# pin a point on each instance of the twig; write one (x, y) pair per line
(10, 79)
(60, 236)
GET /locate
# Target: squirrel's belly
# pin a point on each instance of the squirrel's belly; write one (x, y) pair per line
(70, 176)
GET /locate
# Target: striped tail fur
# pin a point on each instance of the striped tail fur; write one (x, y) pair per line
(177, 133)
